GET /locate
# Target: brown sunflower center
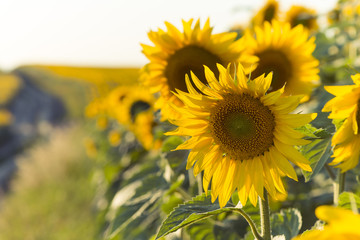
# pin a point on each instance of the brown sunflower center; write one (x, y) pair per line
(243, 126)
(358, 115)
(305, 19)
(275, 61)
(190, 58)
(269, 13)
(138, 107)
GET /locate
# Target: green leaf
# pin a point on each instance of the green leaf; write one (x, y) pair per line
(317, 152)
(349, 200)
(171, 143)
(288, 223)
(201, 231)
(190, 212)
(135, 210)
(312, 132)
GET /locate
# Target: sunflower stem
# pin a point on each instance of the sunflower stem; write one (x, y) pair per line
(339, 186)
(250, 222)
(265, 217)
(330, 172)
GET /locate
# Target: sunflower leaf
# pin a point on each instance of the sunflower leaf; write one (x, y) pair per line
(171, 143)
(202, 231)
(288, 223)
(317, 152)
(192, 211)
(349, 200)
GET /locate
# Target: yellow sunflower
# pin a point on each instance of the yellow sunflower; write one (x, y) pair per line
(342, 224)
(95, 108)
(287, 52)
(176, 53)
(143, 130)
(302, 15)
(6, 117)
(135, 110)
(138, 100)
(346, 140)
(267, 13)
(115, 103)
(114, 138)
(241, 137)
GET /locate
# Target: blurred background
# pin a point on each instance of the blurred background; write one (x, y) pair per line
(57, 59)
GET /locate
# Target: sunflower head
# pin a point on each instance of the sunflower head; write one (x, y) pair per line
(346, 140)
(267, 13)
(287, 53)
(115, 102)
(301, 15)
(342, 224)
(176, 53)
(125, 103)
(241, 136)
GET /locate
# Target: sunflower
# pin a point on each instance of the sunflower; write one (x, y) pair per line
(267, 13)
(301, 15)
(176, 54)
(114, 138)
(342, 224)
(138, 100)
(241, 137)
(143, 128)
(133, 107)
(287, 53)
(114, 102)
(346, 140)
(6, 118)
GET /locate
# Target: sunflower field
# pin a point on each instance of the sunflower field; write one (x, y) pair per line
(252, 133)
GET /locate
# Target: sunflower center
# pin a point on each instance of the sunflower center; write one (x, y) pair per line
(138, 107)
(190, 58)
(304, 19)
(358, 114)
(269, 13)
(243, 126)
(274, 61)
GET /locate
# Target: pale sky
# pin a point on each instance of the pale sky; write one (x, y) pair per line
(108, 32)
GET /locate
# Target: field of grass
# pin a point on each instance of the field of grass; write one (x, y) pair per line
(96, 75)
(52, 195)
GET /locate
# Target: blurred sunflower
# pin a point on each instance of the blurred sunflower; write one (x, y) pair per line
(346, 140)
(136, 112)
(241, 137)
(114, 138)
(287, 53)
(102, 122)
(138, 100)
(143, 130)
(95, 108)
(267, 13)
(114, 102)
(301, 15)
(176, 54)
(6, 117)
(333, 16)
(342, 224)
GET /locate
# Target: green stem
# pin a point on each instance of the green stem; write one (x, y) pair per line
(339, 186)
(250, 222)
(330, 172)
(265, 217)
